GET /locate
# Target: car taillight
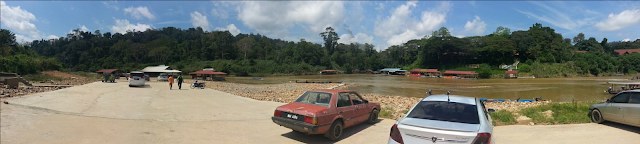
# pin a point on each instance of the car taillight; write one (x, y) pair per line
(482, 138)
(395, 134)
(142, 77)
(130, 76)
(277, 113)
(311, 120)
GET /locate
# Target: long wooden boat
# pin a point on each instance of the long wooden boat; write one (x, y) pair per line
(625, 87)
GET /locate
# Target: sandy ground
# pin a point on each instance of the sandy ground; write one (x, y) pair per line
(114, 113)
(588, 133)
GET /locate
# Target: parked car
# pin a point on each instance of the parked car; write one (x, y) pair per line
(163, 77)
(623, 108)
(326, 112)
(146, 77)
(137, 79)
(444, 119)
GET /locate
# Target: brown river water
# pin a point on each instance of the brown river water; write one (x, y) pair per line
(555, 89)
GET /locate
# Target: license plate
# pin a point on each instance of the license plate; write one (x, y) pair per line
(136, 79)
(292, 116)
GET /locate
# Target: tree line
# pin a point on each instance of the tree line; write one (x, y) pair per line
(254, 54)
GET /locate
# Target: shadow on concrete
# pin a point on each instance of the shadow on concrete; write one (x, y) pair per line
(629, 128)
(145, 86)
(320, 139)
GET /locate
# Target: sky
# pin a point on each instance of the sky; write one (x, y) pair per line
(381, 23)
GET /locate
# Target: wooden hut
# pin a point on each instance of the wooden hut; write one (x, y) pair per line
(208, 75)
(511, 74)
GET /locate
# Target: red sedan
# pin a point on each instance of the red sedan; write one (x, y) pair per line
(326, 112)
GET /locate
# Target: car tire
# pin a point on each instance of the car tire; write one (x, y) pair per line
(373, 117)
(335, 132)
(596, 116)
(130, 86)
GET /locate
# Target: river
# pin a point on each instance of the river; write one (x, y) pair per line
(555, 89)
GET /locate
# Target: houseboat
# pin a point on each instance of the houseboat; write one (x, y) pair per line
(425, 73)
(328, 72)
(460, 75)
(511, 74)
(393, 71)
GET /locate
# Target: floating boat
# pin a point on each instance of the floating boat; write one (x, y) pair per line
(518, 100)
(257, 78)
(625, 86)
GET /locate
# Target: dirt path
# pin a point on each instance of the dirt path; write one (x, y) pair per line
(114, 113)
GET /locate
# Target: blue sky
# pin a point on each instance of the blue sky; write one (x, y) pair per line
(382, 23)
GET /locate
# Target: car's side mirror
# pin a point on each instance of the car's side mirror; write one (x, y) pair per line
(366, 101)
(608, 101)
(491, 110)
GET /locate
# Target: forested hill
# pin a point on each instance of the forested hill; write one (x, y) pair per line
(193, 49)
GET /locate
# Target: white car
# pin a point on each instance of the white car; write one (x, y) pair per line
(624, 108)
(136, 79)
(163, 77)
(444, 119)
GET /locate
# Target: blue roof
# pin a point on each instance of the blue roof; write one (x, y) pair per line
(393, 69)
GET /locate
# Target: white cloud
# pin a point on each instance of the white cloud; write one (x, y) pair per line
(358, 38)
(380, 7)
(276, 17)
(400, 27)
(199, 20)
(560, 19)
(123, 25)
(111, 5)
(476, 27)
(625, 19)
(19, 21)
(139, 12)
(84, 28)
(626, 40)
(231, 28)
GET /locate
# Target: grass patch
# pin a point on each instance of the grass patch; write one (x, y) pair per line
(41, 77)
(563, 113)
(503, 117)
(386, 112)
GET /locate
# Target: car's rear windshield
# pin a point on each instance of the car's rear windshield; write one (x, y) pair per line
(446, 111)
(315, 98)
(137, 74)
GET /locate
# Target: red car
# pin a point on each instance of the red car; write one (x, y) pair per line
(326, 112)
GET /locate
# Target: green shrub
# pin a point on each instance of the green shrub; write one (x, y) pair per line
(504, 117)
(563, 113)
(386, 112)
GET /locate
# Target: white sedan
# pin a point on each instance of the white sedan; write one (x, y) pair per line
(444, 119)
(624, 108)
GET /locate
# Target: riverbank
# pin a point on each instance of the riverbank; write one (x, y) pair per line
(393, 107)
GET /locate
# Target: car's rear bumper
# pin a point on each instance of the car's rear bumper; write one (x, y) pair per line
(296, 125)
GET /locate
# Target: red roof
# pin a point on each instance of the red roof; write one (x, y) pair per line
(461, 72)
(425, 70)
(106, 70)
(511, 72)
(210, 72)
(627, 51)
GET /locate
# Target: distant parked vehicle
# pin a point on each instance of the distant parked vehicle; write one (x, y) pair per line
(108, 77)
(444, 119)
(196, 84)
(326, 112)
(146, 77)
(622, 108)
(163, 77)
(137, 79)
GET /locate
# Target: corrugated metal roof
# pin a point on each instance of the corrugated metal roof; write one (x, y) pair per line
(160, 68)
(461, 72)
(211, 72)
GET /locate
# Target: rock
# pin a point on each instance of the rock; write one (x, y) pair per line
(531, 123)
(5, 102)
(548, 114)
(523, 120)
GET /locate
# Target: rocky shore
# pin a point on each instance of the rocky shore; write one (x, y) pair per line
(68, 80)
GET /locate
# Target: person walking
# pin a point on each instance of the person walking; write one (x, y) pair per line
(170, 82)
(180, 82)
